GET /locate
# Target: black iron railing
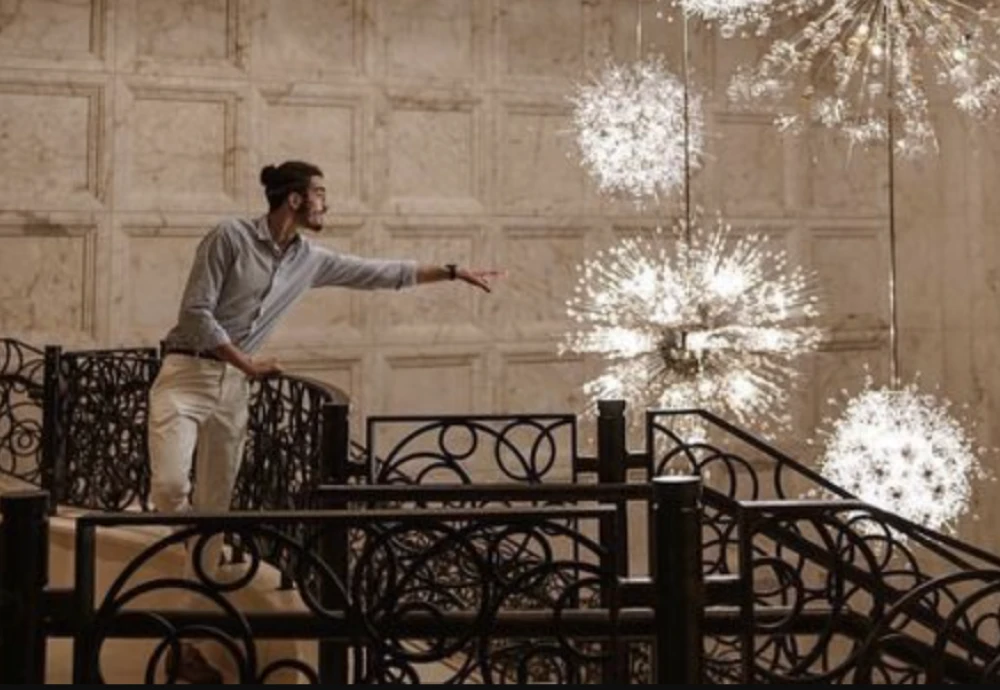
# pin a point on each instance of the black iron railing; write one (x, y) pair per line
(457, 593)
(803, 590)
(102, 461)
(844, 570)
(464, 449)
(899, 611)
(75, 424)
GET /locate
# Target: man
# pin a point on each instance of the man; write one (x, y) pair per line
(246, 275)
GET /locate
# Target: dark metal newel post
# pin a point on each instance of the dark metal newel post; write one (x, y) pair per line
(678, 580)
(334, 545)
(611, 457)
(24, 573)
(611, 469)
(611, 454)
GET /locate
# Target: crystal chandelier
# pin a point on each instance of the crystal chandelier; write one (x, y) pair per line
(906, 452)
(695, 318)
(638, 129)
(846, 64)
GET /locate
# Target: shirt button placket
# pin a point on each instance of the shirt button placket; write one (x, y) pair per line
(275, 266)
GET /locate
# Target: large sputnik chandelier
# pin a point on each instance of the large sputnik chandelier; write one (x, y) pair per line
(695, 318)
(905, 451)
(637, 130)
(844, 63)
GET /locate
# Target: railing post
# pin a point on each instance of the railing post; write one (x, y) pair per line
(24, 572)
(611, 469)
(336, 444)
(611, 453)
(611, 457)
(53, 457)
(677, 580)
(334, 545)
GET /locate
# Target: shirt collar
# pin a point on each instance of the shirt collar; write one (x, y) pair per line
(263, 233)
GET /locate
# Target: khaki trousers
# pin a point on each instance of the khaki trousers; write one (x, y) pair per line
(198, 404)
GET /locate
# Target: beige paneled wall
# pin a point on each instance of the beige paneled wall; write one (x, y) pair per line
(129, 127)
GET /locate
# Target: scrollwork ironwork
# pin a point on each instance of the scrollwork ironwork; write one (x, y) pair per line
(408, 614)
(880, 612)
(21, 411)
(508, 553)
(453, 449)
(823, 566)
(284, 454)
(102, 428)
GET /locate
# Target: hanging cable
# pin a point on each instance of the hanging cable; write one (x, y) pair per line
(638, 30)
(687, 133)
(891, 152)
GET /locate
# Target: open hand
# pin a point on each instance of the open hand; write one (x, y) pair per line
(480, 279)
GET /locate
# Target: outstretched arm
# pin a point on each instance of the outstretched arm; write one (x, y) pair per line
(361, 273)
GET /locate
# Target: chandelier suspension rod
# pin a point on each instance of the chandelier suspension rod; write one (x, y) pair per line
(638, 30)
(891, 153)
(687, 132)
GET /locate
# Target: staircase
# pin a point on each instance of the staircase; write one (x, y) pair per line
(803, 583)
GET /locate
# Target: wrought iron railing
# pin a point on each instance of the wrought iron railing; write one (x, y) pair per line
(410, 610)
(847, 568)
(100, 429)
(898, 610)
(872, 582)
(463, 449)
(74, 423)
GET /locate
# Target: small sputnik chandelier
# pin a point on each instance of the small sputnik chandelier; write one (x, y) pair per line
(698, 319)
(635, 134)
(904, 451)
(848, 63)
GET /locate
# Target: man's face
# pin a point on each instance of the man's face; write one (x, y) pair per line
(313, 206)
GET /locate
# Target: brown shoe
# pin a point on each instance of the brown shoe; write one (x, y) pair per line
(193, 667)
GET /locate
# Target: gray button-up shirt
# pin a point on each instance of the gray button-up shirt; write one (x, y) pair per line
(241, 283)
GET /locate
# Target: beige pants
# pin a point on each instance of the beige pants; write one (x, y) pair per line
(197, 404)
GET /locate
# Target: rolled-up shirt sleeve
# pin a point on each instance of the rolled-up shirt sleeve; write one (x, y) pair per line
(364, 274)
(201, 295)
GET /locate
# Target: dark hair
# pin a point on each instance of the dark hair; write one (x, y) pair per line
(290, 176)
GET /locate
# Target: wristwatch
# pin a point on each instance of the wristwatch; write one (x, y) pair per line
(452, 271)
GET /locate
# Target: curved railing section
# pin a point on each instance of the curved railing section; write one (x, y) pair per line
(284, 451)
(75, 424)
(283, 460)
(515, 450)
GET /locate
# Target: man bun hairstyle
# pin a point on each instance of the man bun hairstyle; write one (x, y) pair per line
(290, 176)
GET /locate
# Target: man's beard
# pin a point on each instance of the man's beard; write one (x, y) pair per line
(304, 220)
